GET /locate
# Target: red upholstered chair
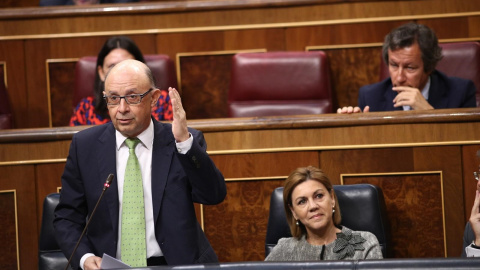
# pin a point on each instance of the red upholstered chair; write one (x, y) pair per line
(460, 59)
(6, 117)
(161, 65)
(279, 83)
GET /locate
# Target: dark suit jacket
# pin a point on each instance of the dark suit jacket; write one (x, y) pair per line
(177, 181)
(445, 92)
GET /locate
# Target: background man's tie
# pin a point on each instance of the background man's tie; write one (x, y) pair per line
(133, 246)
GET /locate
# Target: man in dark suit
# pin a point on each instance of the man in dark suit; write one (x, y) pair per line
(175, 169)
(412, 53)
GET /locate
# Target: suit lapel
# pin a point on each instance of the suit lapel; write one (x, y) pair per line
(437, 91)
(106, 153)
(162, 155)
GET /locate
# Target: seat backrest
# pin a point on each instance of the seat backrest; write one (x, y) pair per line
(460, 60)
(50, 257)
(362, 207)
(6, 117)
(161, 65)
(279, 83)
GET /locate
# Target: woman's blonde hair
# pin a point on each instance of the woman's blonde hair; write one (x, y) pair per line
(297, 177)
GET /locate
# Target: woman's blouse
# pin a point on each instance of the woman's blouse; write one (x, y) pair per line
(349, 245)
(84, 113)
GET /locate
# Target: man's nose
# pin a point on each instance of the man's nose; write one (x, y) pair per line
(123, 105)
(400, 76)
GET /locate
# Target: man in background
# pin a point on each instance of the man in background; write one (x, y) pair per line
(411, 52)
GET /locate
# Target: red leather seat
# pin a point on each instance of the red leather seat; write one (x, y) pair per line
(460, 60)
(161, 65)
(279, 83)
(6, 117)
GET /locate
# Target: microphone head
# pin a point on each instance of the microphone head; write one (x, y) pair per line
(109, 179)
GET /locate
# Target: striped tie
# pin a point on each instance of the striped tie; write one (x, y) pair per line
(133, 246)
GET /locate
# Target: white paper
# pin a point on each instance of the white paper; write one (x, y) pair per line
(108, 262)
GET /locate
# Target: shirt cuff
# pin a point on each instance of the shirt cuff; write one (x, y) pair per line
(183, 147)
(84, 257)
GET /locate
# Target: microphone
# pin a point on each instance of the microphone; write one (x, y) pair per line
(105, 187)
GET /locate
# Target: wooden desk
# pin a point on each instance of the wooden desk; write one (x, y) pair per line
(39, 46)
(422, 160)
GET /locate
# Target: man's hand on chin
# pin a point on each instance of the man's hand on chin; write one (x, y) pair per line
(409, 96)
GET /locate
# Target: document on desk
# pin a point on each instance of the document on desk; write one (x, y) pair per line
(108, 262)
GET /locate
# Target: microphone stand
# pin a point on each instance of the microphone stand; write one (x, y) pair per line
(105, 187)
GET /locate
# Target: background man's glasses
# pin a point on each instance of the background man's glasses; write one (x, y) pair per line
(130, 99)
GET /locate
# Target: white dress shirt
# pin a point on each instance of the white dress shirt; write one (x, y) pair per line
(471, 251)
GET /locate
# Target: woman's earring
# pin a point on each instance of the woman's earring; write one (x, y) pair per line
(333, 210)
(298, 224)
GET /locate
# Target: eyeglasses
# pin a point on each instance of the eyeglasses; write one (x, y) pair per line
(477, 175)
(130, 99)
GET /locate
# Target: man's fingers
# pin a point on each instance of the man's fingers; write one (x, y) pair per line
(476, 203)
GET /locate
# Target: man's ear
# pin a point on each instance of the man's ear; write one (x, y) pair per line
(155, 96)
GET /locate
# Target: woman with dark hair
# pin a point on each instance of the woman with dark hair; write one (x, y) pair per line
(93, 110)
(313, 215)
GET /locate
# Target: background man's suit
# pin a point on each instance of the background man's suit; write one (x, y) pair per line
(177, 181)
(445, 92)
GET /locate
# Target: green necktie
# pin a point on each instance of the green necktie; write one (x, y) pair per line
(133, 246)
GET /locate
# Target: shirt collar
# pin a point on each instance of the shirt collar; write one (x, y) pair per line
(146, 137)
(426, 89)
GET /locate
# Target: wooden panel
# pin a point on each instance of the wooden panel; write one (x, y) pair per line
(448, 160)
(338, 162)
(8, 223)
(204, 85)
(22, 180)
(48, 181)
(297, 38)
(18, 3)
(414, 205)
(360, 65)
(61, 91)
(34, 151)
(296, 29)
(443, 28)
(36, 51)
(237, 227)
(177, 14)
(270, 39)
(13, 54)
(263, 164)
